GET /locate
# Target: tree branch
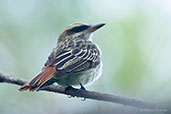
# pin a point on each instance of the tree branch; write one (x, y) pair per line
(89, 94)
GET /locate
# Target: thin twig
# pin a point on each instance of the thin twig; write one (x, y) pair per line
(89, 94)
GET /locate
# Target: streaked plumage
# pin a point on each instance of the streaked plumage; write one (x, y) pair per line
(75, 60)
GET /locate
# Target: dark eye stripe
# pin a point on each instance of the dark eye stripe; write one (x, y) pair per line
(78, 29)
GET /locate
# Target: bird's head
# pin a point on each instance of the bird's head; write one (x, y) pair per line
(79, 30)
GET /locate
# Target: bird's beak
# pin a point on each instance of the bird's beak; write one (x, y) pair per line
(93, 28)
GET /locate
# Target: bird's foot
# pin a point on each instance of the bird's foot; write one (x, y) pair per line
(67, 89)
(70, 89)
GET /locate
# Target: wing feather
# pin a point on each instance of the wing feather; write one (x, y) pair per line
(76, 58)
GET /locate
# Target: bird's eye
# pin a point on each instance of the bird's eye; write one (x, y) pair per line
(76, 29)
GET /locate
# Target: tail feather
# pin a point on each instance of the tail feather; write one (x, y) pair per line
(39, 79)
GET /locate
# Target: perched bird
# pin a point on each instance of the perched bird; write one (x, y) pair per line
(76, 60)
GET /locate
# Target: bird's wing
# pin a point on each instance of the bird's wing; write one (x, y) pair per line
(78, 58)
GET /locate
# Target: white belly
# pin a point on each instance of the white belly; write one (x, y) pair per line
(86, 77)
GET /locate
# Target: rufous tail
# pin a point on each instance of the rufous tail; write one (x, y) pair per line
(39, 79)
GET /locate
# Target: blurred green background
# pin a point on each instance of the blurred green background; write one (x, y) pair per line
(136, 47)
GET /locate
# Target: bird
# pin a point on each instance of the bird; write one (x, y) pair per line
(75, 61)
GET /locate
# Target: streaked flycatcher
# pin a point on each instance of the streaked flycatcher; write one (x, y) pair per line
(76, 60)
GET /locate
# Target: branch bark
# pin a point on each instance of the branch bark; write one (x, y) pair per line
(4, 78)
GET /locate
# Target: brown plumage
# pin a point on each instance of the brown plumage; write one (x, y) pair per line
(40, 79)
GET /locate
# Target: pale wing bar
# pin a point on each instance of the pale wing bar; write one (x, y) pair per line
(75, 59)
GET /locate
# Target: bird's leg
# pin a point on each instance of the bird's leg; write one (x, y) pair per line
(82, 88)
(77, 91)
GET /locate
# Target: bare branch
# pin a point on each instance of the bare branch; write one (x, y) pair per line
(89, 94)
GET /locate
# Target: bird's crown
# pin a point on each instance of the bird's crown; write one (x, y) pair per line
(81, 30)
(75, 25)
